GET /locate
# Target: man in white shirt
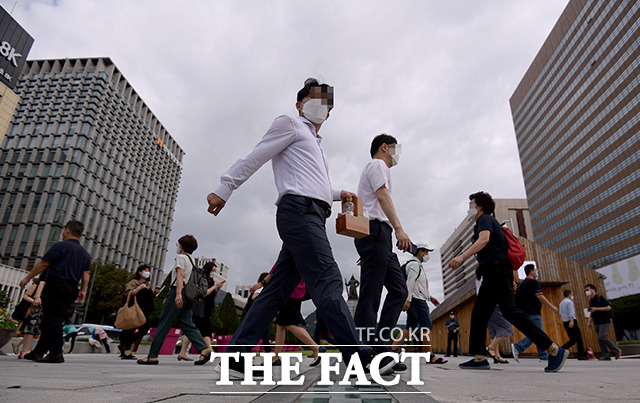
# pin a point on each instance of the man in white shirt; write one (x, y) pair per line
(567, 311)
(304, 202)
(379, 265)
(418, 316)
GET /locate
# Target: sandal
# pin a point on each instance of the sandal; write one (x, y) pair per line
(491, 355)
(129, 357)
(184, 358)
(15, 348)
(499, 360)
(438, 360)
(204, 358)
(148, 361)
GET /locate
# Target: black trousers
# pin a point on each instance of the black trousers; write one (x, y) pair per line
(575, 337)
(497, 288)
(306, 253)
(379, 267)
(57, 297)
(128, 337)
(452, 338)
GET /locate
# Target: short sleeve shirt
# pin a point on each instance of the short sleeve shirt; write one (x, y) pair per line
(528, 290)
(496, 249)
(67, 260)
(183, 262)
(599, 318)
(455, 326)
(375, 175)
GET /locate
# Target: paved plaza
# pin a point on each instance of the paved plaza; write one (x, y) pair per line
(106, 378)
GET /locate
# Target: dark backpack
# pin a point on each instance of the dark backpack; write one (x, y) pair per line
(403, 268)
(196, 288)
(515, 251)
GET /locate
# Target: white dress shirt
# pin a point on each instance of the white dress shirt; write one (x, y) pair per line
(567, 310)
(375, 175)
(417, 282)
(299, 164)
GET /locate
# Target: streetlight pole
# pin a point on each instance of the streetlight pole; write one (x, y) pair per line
(93, 278)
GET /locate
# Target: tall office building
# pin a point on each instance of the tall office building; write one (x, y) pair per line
(83, 145)
(513, 213)
(576, 115)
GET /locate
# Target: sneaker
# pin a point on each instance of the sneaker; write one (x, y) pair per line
(236, 370)
(515, 352)
(399, 367)
(473, 364)
(555, 363)
(385, 367)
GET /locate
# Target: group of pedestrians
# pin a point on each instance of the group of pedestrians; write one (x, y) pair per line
(305, 196)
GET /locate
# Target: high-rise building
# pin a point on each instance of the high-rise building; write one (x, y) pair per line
(576, 115)
(83, 145)
(513, 213)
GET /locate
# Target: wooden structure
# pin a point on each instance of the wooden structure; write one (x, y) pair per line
(557, 273)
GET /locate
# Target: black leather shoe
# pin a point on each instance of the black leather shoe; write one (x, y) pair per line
(51, 359)
(32, 356)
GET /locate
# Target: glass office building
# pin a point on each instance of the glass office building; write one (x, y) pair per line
(83, 145)
(576, 114)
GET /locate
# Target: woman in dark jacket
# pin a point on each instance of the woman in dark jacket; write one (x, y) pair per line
(202, 312)
(138, 286)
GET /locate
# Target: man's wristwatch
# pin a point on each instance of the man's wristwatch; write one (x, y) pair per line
(263, 282)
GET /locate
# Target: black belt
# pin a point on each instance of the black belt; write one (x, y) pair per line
(326, 207)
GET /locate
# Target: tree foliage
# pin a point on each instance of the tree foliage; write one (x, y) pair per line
(107, 293)
(228, 315)
(626, 314)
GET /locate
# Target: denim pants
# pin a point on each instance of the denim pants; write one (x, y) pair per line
(526, 342)
(306, 253)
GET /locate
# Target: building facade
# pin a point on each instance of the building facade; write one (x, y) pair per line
(576, 115)
(222, 270)
(513, 213)
(82, 144)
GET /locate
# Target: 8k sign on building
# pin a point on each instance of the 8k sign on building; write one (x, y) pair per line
(15, 44)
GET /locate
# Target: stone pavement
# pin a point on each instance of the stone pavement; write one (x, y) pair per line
(106, 378)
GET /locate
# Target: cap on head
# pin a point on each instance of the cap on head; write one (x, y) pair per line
(423, 245)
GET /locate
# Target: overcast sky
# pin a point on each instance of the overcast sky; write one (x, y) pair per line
(437, 75)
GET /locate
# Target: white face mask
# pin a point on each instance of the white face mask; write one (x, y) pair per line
(588, 292)
(572, 298)
(211, 275)
(178, 249)
(452, 316)
(425, 258)
(146, 274)
(315, 111)
(472, 212)
(395, 154)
